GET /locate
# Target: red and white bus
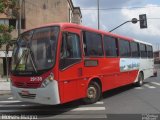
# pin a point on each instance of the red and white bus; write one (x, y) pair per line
(59, 63)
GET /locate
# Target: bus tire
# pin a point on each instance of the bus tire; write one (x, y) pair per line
(93, 93)
(140, 80)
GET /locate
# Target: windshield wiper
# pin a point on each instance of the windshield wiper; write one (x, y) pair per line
(32, 57)
(26, 53)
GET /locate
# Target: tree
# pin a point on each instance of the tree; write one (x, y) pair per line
(9, 8)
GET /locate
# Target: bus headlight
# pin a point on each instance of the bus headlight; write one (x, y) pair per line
(47, 81)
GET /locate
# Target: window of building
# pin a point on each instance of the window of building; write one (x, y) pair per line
(124, 48)
(92, 44)
(14, 23)
(149, 51)
(156, 54)
(70, 50)
(135, 49)
(23, 24)
(4, 21)
(143, 50)
(110, 46)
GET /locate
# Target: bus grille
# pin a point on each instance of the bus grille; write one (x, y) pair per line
(26, 85)
(29, 96)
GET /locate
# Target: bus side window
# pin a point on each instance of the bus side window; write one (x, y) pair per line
(110, 46)
(143, 50)
(92, 44)
(135, 50)
(70, 50)
(63, 47)
(149, 51)
(124, 48)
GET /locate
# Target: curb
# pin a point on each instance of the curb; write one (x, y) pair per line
(5, 92)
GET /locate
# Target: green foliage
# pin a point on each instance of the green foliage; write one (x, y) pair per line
(4, 38)
(1, 7)
(5, 30)
(6, 5)
(5, 35)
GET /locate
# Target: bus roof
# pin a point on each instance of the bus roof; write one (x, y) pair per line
(142, 42)
(65, 25)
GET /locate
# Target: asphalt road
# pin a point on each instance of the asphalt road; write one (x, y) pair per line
(126, 103)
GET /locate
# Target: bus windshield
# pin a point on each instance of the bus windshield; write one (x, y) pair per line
(35, 50)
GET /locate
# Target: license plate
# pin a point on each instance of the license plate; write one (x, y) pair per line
(25, 92)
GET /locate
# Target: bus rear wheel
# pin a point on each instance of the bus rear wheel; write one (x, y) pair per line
(140, 80)
(93, 93)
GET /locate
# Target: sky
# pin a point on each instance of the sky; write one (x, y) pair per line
(115, 12)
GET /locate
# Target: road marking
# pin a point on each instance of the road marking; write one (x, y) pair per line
(21, 105)
(138, 88)
(100, 102)
(10, 101)
(10, 98)
(62, 117)
(149, 86)
(88, 109)
(80, 109)
(155, 83)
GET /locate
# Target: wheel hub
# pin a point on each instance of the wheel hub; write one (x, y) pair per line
(91, 92)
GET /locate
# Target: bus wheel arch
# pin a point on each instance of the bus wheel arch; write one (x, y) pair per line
(97, 80)
(93, 91)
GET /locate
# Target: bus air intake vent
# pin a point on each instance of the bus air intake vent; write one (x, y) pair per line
(27, 85)
(29, 96)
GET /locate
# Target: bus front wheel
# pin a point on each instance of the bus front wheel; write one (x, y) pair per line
(93, 93)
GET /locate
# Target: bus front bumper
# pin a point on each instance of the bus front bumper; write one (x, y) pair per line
(48, 95)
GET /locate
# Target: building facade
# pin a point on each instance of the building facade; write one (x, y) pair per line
(157, 57)
(35, 13)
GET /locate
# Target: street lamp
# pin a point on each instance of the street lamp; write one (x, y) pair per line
(142, 20)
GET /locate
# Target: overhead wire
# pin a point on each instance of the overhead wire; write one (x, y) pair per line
(121, 8)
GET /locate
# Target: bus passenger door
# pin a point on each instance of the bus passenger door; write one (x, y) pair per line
(70, 65)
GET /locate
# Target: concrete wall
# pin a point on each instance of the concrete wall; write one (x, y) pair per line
(42, 12)
(76, 16)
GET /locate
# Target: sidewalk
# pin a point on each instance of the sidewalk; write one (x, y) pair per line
(4, 86)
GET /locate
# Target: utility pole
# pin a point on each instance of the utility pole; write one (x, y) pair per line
(19, 17)
(98, 14)
(6, 55)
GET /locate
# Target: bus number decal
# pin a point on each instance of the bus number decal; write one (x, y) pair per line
(37, 79)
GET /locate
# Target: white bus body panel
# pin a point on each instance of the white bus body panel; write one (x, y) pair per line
(48, 95)
(146, 64)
